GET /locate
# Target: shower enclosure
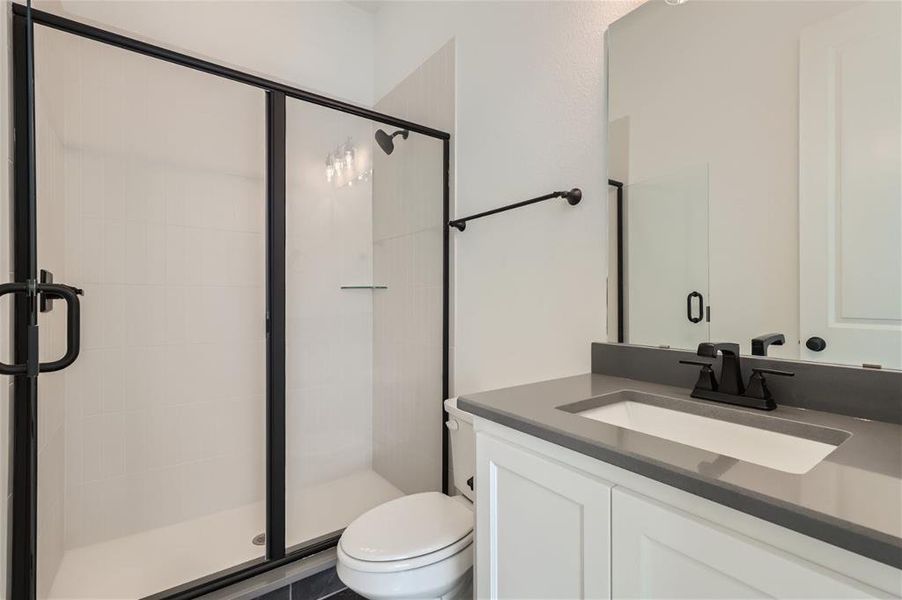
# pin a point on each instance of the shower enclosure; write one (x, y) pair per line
(263, 325)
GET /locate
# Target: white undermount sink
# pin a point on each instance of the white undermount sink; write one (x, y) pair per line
(641, 412)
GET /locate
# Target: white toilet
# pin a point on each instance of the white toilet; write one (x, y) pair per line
(418, 546)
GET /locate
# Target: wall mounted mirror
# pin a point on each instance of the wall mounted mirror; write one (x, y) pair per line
(758, 144)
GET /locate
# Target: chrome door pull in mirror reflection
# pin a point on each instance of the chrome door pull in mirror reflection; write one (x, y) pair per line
(761, 343)
(731, 389)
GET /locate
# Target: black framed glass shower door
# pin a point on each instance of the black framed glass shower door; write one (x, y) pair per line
(151, 197)
(160, 191)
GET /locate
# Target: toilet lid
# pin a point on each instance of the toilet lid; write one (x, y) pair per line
(407, 527)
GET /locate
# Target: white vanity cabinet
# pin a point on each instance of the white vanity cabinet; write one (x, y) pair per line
(661, 552)
(553, 523)
(543, 529)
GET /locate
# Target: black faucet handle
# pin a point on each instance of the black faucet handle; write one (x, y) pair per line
(758, 389)
(697, 363)
(706, 379)
(772, 372)
(710, 349)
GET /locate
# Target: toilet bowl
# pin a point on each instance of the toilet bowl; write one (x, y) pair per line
(421, 545)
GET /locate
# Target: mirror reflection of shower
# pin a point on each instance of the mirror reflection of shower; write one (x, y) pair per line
(345, 166)
(387, 142)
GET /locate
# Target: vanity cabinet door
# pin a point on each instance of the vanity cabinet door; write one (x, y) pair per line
(543, 529)
(661, 552)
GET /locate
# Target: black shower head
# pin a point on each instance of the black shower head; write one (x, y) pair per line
(386, 142)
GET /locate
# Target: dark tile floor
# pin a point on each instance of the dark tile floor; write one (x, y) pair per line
(345, 594)
(325, 584)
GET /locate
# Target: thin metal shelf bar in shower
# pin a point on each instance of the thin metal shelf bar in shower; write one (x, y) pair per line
(364, 287)
(572, 196)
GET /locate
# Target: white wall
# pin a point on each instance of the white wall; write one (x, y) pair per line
(529, 285)
(316, 45)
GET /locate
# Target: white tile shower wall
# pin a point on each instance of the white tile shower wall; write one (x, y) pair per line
(163, 213)
(407, 256)
(51, 406)
(164, 408)
(329, 330)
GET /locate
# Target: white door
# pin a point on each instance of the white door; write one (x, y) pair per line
(666, 260)
(661, 552)
(850, 201)
(543, 530)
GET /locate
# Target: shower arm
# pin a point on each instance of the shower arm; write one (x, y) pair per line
(572, 196)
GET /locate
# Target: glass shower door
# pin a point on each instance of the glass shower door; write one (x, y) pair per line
(364, 362)
(151, 197)
(666, 260)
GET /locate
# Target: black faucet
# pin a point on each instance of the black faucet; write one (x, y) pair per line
(730, 388)
(760, 343)
(730, 369)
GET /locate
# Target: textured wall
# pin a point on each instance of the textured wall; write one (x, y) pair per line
(529, 285)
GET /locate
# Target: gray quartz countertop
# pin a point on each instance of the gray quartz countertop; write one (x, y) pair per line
(851, 499)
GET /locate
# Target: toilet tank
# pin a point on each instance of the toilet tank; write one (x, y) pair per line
(463, 447)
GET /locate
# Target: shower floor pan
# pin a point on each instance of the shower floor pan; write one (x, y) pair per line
(151, 561)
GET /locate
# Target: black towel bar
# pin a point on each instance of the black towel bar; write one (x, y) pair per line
(572, 196)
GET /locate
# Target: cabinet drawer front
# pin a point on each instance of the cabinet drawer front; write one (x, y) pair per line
(543, 528)
(661, 552)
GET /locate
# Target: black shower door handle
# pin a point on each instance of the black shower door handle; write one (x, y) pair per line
(73, 323)
(701, 307)
(73, 328)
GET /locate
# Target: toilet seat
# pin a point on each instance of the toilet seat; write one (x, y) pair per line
(408, 533)
(406, 564)
(418, 546)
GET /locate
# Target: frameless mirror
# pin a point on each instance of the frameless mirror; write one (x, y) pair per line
(758, 147)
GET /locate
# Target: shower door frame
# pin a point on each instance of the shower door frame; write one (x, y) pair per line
(23, 534)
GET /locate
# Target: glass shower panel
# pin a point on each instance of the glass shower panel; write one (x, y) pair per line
(364, 317)
(151, 198)
(666, 260)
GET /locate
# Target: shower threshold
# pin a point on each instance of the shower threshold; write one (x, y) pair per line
(151, 561)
